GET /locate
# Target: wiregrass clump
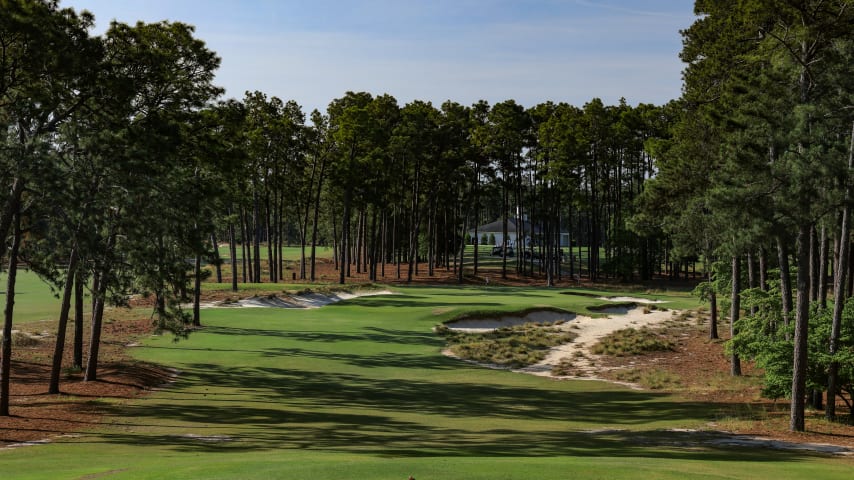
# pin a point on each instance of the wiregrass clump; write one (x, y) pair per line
(631, 341)
(514, 347)
(652, 379)
(21, 339)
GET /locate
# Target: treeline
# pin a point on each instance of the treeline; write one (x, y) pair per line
(756, 178)
(122, 172)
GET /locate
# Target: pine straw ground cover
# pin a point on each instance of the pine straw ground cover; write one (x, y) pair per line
(38, 416)
(696, 367)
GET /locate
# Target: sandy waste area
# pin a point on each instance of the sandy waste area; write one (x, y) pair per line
(308, 300)
(588, 329)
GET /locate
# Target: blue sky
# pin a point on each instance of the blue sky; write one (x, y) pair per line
(313, 51)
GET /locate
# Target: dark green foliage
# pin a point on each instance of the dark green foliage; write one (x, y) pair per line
(763, 338)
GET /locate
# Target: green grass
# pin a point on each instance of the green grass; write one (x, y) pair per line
(288, 253)
(359, 389)
(36, 306)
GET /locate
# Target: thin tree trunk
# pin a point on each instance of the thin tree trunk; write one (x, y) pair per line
(95, 337)
(256, 240)
(824, 252)
(6, 349)
(841, 271)
(345, 240)
(799, 369)
(713, 309)
(272, 241)
(62, 326)
(197, 292)
(751, 277)
(735, 311)
(78, 319)
(217, 259)
(12, 205)
(763, 269)
(314, 227)
(785, 281)
(814, 265)
(232, 251)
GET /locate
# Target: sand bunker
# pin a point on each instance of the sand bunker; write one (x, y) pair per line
(588, 329)
(591, 330)
(630, 299)
(482, 325)
(308, 300)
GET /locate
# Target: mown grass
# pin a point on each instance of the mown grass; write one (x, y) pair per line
(359, 389)
(35, 302)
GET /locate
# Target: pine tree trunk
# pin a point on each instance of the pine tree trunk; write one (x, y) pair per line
(799, 369)
(245, 245)
(785, 281)
(197, 291)
(751, 277)
(272, 242)
(62, 325)
(78, 319)
(504, 231)
(314, 229)
(823, 263)
(232, 251)
(256, 239)
(12, 205)
(713, 309)
(839, 296)
(95, 336)
(735, 311)
(344, 249)
(6, 348)
(814, 264)
(217, 259)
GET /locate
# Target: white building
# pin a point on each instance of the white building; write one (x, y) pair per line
(496, 229)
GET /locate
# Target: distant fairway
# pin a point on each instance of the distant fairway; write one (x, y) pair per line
(360, 390)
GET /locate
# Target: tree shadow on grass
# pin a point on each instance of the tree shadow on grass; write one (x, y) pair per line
(370, 334)
(254, 428)
(287, 408)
